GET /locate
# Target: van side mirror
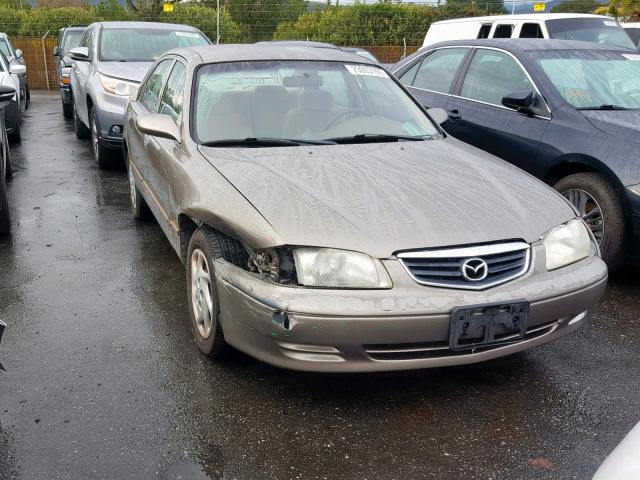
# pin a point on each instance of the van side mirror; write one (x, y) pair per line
(439, 115)
(56, 51)
(79, 54)
(6, 93)
(522, 101)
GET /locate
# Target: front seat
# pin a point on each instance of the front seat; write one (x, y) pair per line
(228, 118)
(269, 105)
(315, 110)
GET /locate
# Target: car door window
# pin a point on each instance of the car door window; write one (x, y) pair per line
(484, 31)
(150, 94)
(503, 31)
(87, 41)
(171, 102)
(407, 77)
(531, 30)
(438, 70)
(493, 75)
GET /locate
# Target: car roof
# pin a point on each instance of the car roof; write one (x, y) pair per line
(267, 51)
(523, 16)
(530, 44)
(297, 43)
(630, 25)
(146, 25)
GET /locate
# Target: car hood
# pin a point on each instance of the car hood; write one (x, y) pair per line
(133, 71)
(620, 123)
(384, 197)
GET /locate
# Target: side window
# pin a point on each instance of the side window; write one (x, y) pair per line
(503, 31)
(531, 30)
(484, 31)
(408, 76)
(493, 75)
(150, 93)
(173, 96)
(438, 70)
(87, 41)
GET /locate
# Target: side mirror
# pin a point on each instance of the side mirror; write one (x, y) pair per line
(19, 70)
(439, 115)
(158, 125)
(6, 93)
(522, 101)
(18, 53)
(56, 51)
(79, 54)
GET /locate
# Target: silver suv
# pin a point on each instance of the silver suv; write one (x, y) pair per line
(14, 56)
(110, 63)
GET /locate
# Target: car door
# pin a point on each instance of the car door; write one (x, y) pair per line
(143, 148)
(431, 78)
(480, 117)
(81, 73)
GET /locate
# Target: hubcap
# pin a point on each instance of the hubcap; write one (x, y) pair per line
(201, 294)
(589, 209)
(94, 137)
(132, 187)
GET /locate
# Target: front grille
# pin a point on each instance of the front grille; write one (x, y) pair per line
(472, 268)
(418, 351)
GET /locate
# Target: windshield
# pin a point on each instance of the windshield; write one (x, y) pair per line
(592, 78)
(5, 49)
(303, 100)
(143, 44)
(596, 30)
(72, 39)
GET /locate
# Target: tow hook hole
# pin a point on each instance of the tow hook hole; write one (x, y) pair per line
(281, 318)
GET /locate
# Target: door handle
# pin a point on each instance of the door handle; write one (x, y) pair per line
(454, 115)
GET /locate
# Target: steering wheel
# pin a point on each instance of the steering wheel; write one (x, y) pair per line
(343, 116)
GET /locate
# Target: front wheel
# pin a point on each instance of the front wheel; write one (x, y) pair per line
(82, 132)
(67, 111)
(599, 204)
(104, 157)
(139, 207)
(5, 221)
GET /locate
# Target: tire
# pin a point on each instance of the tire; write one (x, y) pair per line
(206, 246)
(139, 208)
(28, 96)
(9, 164)
(16, 135)
(104, 157)
(82, 132)
(67, 111)
(612, 237)
(5, 221)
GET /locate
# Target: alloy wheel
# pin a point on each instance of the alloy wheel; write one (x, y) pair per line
(132, 188)
(201, 294)
(589, 209)
(94, 138)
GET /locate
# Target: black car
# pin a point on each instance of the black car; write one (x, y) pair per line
(68, 38)
(567, 112)
(6, 95)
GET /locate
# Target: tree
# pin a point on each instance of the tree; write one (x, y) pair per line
(489, 6)
(260, 18)
(628, 10)
(576, 6)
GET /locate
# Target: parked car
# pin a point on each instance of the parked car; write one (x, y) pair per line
(327, 223)
(623, 463)
(559, 26)
(10, 77)
(361, 52)
(633, 30)
(15, 57)
(566, 112)
(68, 38)
(110, 62)
(306, 43)
(6, 95)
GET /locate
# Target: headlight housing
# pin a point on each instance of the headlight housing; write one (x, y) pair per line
(332, 268)
(65, 74)
(117, 86)
(567, 244)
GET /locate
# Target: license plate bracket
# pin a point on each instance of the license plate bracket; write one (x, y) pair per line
(488, 324)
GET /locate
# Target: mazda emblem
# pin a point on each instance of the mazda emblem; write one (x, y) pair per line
(474, 270)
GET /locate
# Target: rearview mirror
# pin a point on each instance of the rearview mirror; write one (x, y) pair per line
(79, 54)
(520, 100)
(18, 69)
(56, 51)
(439, 115)
(6, 93)
(18, 53)
(159, 125)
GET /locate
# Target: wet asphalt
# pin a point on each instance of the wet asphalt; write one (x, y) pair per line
(104, 380)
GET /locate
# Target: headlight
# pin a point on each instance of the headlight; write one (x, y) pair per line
(117, 86)
(567, 244)
(328, 267)
(65, 71)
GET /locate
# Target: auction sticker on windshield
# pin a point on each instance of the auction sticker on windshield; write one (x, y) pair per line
(365, 70)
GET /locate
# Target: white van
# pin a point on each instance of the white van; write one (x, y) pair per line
(633, 30)
(564, 26)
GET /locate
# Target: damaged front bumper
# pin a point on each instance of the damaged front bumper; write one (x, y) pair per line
(406, 327)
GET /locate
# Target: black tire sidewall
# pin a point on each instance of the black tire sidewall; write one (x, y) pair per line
(5, 221)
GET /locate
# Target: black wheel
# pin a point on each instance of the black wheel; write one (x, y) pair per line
(104, 157)
(67, 111)
(82, 132)
(9, 165)
(5, 221)
(139, 208)
(206, 246)
(600, 206)
(16, 135)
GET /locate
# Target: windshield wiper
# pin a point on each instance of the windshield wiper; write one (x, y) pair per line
(376, 137)
(265, 142)
(604, 107)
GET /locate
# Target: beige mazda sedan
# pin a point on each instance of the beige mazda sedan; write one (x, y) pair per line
(327, 222)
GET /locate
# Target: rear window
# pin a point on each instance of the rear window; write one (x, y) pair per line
(597, 30)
